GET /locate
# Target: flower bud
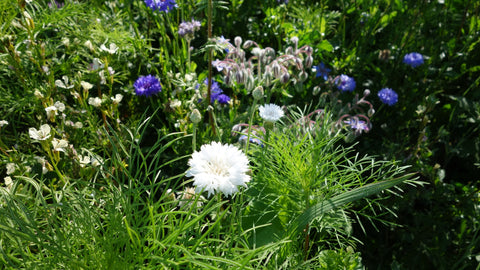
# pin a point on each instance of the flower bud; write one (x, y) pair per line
(257, 93)
(285, 77)
(239, 77)
(303, 76)
(276, 69)
(247, 44)
(195, 116)
(370, 112)
(366, 92)
(238, 41)
(316, 90)
(308, 61)
(289, 50)
(294, 40)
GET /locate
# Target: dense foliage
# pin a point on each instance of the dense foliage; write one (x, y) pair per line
(257, 134)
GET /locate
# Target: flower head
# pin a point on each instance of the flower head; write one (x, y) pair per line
(161, 5)
(95, 102)
(271, 112)
(147, 86)
(3, 123)
(357, 125)
(188, 28)
(217, 93)
(322, 71)
(218, 168)
(388, 96)
(345, 83)
(42, 134)
(413, 59)
(59, 145)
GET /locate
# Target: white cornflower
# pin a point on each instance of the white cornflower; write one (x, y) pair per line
(117, 98)
(112, 50)
(218, 168)
(271, 112)
(95, 102)
(42, 134)
(59, 145)
(3, 123)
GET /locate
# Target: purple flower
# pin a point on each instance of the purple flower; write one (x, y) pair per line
(188, 28)
(282, 1)
(345, 83)
(322, 71)
(216, 93)
(357, 125)
(147, 86)
(388, 96)
(161, 5)
(413, 59)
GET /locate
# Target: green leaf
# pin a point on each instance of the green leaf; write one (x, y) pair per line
(350, 196)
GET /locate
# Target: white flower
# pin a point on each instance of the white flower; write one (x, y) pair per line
(63, 84)
(95, 102)
(10, 168)
(271, 112)
(42, 134)
(78, 125)
(89, 45)
(218, 168)
(112, 50)
(3, 123)
(86, 85)
(59, 145)
(117, 98)
(188, 196)
(97, 64)
(60, 106)
(83, 160)
(8, 182)
(38, 94)
(51, 112)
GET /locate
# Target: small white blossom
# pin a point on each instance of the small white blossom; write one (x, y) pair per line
(38, 94)
(89, 45)
(51, 112)
(95, 102)
(218, 168)
(78, 125)
(86, 85)
(117, 98)
(3, 123)
(59, 145)
(63, 84)
(271, 112)
(83, 160)
(60, 106)
(10, 168)
(8, 182)
(188, 197)
(42, 134)
(97, 64)
(112, 50)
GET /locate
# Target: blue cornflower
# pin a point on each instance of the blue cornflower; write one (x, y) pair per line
(147, 86)
(388, 96)
(413, 59)
(322, 71)
(345, 83)
(217, 93)
(161, 5)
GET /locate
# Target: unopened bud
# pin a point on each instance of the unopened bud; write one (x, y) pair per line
(195, 116)
(308, 62)
(370, 112)
(303, 76)
(289, 50)
(239, 77)
(366, 92)
(247, 44)
(285, 77)
(238, 41)
(294, 40)
(316, 90)
(276, 69)
(257, 93)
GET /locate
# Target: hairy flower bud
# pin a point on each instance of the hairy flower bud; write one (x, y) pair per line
(308, 62)
(247, 44)
(316, 90)
(276, 69)
(289, 50)
(257, 93)
(195, 116)
(285, 77)
(366, 92)
(239, 77)
(238, 41)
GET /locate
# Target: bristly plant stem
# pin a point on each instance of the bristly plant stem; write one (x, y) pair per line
(210, 59)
